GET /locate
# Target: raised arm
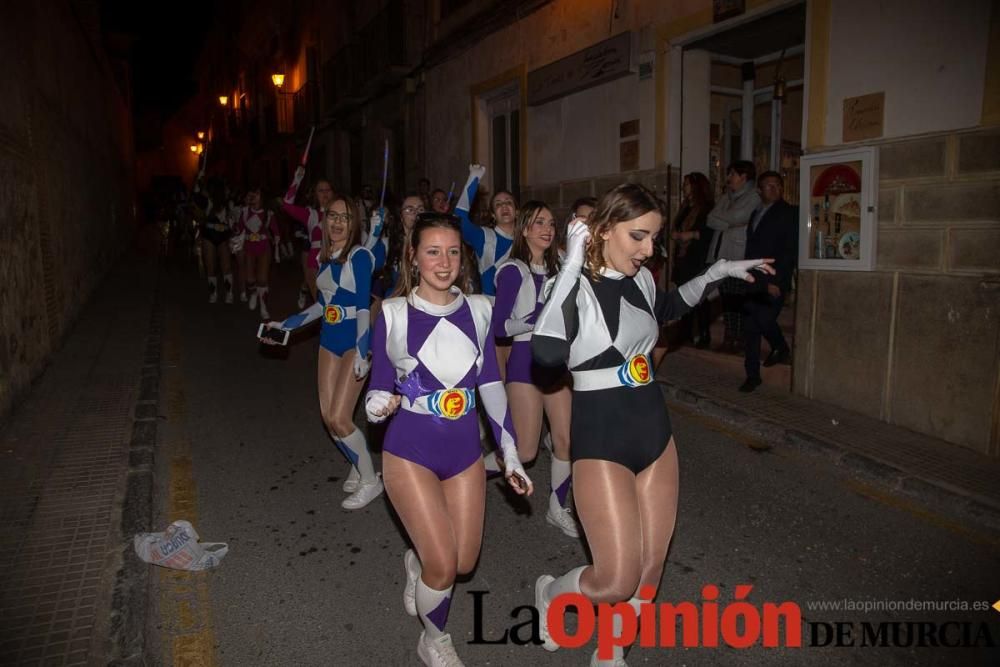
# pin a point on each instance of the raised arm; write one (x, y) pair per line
(558, 322)
(472, 233)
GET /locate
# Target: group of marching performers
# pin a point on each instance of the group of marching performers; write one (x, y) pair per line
(563, 328)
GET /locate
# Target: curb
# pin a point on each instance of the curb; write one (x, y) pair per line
(977, 508)
(130, 601)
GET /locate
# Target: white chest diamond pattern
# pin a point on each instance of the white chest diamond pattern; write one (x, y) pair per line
(448, 353)
(637, 330)
(325, 283)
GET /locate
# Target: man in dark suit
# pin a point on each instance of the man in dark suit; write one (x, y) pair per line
(772, 232)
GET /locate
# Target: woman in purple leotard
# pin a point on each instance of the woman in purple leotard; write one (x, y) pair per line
(431, 350)
(534, 258)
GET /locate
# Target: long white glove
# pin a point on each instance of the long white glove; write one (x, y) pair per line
(550, 321)
(577, 235)
(374, 229)
(692, 290)
(376, 402)
(277, 254)
(511, 465)
(361, 365)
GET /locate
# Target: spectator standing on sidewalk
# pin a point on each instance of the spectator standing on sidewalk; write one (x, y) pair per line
(691, 235)
(729, 219)
(772, 232)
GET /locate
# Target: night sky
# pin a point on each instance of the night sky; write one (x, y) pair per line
(167, 40)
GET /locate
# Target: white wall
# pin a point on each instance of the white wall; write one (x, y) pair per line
(929, 56)
(577, 136)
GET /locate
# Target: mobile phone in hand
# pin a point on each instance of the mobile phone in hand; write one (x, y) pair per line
(279, 336)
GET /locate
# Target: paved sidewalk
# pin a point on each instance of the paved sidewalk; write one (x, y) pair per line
(70, 454)
(905, 460)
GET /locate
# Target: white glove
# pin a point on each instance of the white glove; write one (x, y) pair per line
(375, 224)
(577, 235)
(737, 269)
(477, 171)
(361, 365)
(377, 402)
(511, 465)
(694, 289)
(300, 173)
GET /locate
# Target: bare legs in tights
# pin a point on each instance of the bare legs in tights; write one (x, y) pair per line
(629, 520)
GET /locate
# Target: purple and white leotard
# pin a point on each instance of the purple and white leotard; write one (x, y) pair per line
(436, 357)
(519, 300)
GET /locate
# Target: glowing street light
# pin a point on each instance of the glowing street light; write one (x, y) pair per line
(201, 135)
(278, 80)
(194, 148)
(223, 100)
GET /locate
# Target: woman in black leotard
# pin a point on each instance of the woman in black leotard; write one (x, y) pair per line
(602, 319)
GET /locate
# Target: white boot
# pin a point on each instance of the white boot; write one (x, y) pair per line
(561, 517)
(213, 290)
(352, 481)
(365, 494)
(438, 652)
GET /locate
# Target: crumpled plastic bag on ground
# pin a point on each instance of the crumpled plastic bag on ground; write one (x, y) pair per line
(178, 548)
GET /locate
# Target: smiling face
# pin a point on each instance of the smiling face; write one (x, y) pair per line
(540, 233)
(438, 258)
(628, 244)
(338, 223)
(504, 209)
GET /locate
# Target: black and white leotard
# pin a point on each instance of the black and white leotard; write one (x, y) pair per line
(604, 327)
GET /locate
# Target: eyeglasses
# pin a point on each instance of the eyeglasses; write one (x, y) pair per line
(411, 210)
(344, 218)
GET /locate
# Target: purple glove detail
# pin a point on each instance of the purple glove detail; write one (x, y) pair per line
(411, 387)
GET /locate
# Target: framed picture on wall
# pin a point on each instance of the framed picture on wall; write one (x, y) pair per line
(838, 200)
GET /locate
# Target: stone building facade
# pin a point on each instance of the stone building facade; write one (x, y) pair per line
(66, 194)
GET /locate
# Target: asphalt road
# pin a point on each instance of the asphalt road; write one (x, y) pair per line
(307, 583)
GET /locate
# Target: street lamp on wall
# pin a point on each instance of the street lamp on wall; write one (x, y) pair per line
(278, 80)
(194, 148)
(201, 135)
(223, 100)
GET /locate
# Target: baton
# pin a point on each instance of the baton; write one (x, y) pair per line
(385, 177)
(305, 153)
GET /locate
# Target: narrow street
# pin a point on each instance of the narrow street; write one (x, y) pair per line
(243, 455)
